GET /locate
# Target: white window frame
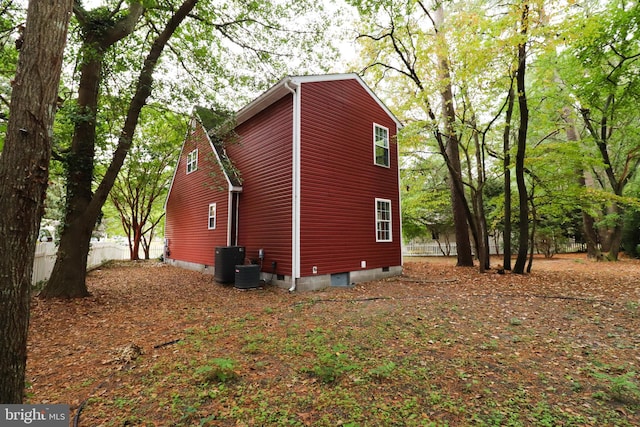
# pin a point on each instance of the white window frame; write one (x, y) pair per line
(213, 214)
(192, 161)
(381, 143)
(383, 225)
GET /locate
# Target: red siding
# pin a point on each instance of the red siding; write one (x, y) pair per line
(263, 155)
(187, 207)
(339, 181)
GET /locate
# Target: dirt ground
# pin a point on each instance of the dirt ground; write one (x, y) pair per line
(439, 345)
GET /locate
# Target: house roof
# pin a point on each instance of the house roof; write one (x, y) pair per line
(290, 83)
(214, 123)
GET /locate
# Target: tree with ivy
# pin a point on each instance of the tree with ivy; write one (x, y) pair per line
(101, 28)
(201, 37)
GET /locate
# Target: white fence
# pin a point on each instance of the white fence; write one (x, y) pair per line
(432, 249)
(100, 252)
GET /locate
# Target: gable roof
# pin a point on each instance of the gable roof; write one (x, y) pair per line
(215, 123)
(290, 83)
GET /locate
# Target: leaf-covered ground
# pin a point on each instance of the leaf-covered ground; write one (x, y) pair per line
(440, 345)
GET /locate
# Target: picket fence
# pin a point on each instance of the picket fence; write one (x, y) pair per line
(100, 252)
(432, 249)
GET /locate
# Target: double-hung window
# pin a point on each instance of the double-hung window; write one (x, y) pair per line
(381, 145)
(212, 216)
(383, 220)
(192, 161)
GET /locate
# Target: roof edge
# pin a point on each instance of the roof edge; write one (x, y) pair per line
(280, 89)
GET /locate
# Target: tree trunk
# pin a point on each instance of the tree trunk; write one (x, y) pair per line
(522, 146)
(58, 285)
(137, 237)
(24, 172)
(590, 235)
(588, 222)
(506, 166)
(478, 202)
(532, 234)
(69, 271)
(461, 220)
(614, 237)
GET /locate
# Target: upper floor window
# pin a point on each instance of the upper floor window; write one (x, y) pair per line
(192, 161)
(383, 220)
(381, 145)
(212, 216)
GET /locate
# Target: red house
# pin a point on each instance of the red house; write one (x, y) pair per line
(309, 186)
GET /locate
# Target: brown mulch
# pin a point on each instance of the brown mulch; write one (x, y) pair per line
(578, 313)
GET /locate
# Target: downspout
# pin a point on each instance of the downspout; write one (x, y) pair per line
(237, 219)
(295, 222)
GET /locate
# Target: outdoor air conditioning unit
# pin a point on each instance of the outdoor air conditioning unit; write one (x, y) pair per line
(227, 257)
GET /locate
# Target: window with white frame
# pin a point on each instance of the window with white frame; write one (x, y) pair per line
(212, 216)
(383, 220)
(381, 145)
(192, 161)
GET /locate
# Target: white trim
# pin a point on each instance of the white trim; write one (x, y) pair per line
(295, 214)
(215, 216)
(378, 220)
(399, 208)
(347, 76)
(229, 217)
(281, 89)
(375, 146)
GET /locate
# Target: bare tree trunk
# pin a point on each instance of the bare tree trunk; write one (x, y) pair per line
(482, 245)
(506, 167)
(532, 235)
(523, 217)
(24, 172)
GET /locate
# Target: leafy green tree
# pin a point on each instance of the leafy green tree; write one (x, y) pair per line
(11, 38)
(463, 82)
(426, 202)
(24, 170)
(631, 233)
(396, 40)
(101, 29)
(199, 36)
(600, 71)
(142, 185)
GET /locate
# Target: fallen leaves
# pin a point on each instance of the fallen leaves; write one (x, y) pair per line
(466, 348)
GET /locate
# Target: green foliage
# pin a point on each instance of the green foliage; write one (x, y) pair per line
(12, 17)
(217, 370)
(332, 363)
(141, 187)
(426, 199)
(619, 387)
(631, 233)
(383, 371)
